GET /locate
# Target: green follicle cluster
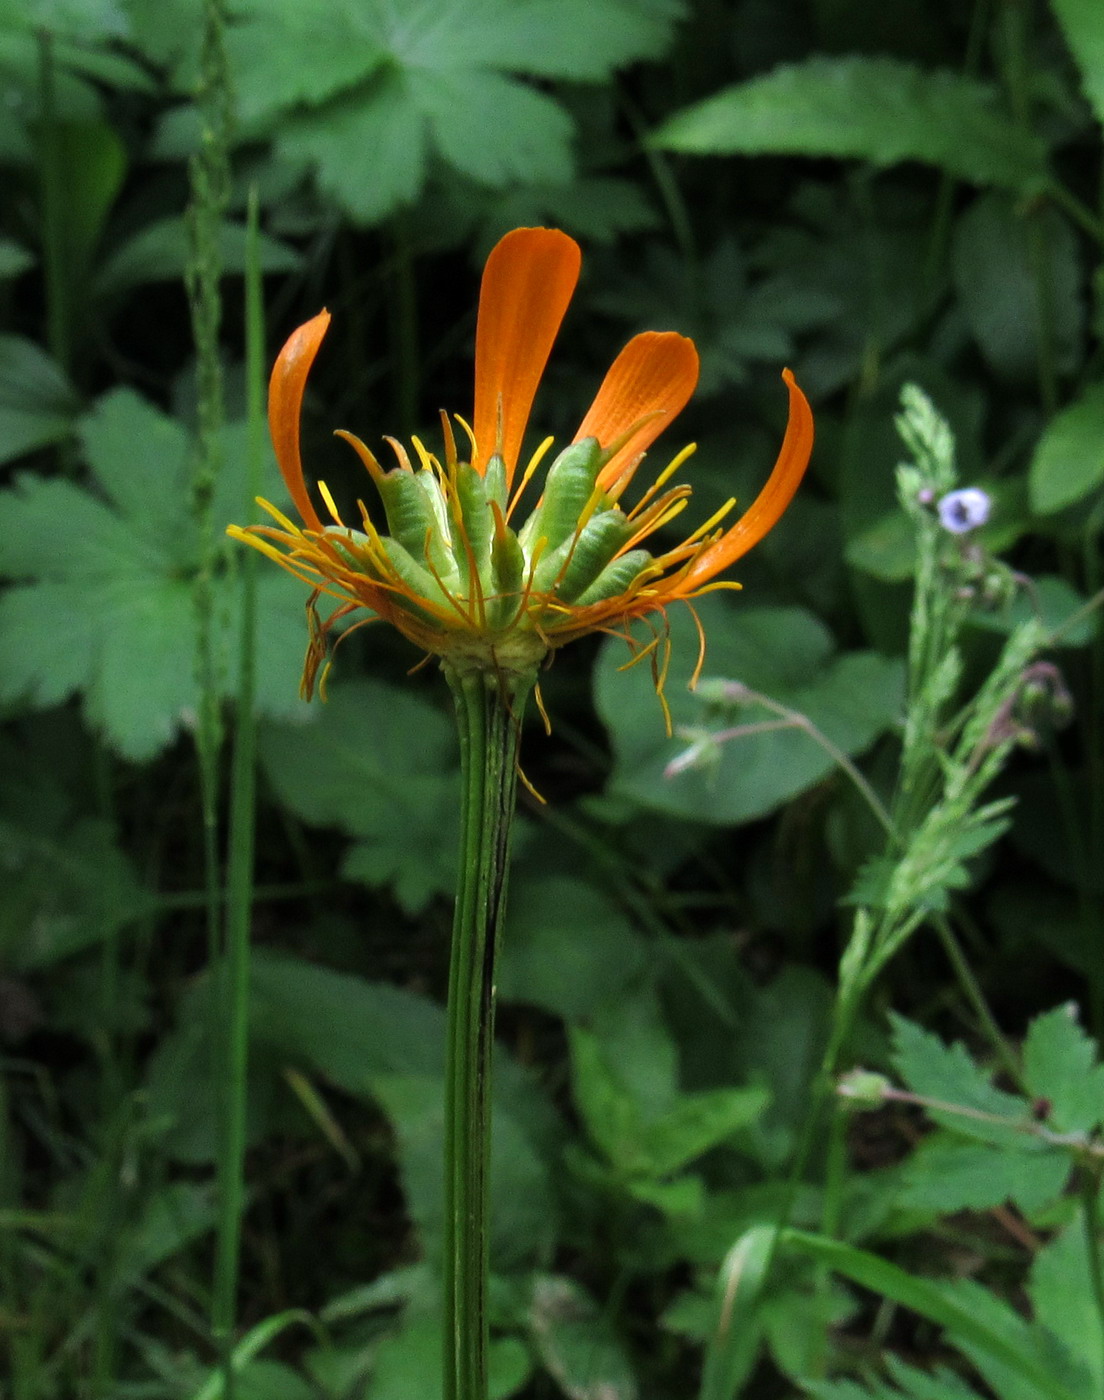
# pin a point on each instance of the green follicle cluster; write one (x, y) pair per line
(449, 544)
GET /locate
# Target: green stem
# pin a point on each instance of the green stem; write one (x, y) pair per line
(58, 325)
(488, 711)
(233, 982)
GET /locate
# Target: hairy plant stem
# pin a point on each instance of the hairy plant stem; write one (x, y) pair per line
(488, 711)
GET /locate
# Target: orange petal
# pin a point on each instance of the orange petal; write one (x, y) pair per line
(767, 508)
(527, 285)
(655, 374)
(285, 404)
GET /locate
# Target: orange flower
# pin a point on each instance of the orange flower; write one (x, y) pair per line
(452, 573)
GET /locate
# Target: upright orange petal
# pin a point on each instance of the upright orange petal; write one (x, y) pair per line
(285, 404)
(766, 510)
(527, 284)
(655, 374)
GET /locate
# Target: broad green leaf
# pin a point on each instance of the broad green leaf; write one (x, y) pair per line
(1082, 23)
(1069, 457)
(945, 1174)
(380, 763)
(106, 606)
(37, 402)
(1061, 1071)
(875, 109)
(175, 1215)
(786, 654)
(368, 153)
(492, 129)
(159, 253)
(593, 207)
(1018, 276)
(566, 947)
(365, 93)
(947, 1074)
(575, 1341)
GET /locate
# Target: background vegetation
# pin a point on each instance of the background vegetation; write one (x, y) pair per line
(875, 196)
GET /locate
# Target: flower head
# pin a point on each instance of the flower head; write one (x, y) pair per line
(455, 572)
(964, 510)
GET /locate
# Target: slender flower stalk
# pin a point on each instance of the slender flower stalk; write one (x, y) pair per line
(459, 576)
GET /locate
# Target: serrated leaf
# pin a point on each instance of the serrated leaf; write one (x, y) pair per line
(380, 763)
(105, 601)
(365, 93)
(875, 109)
(1082, 24)
(492, 129)
(783, 652)
(947, 1074)
(369, 153)
(1069, 458)
(37, 402)
(1060, 1068)
(945, 1174)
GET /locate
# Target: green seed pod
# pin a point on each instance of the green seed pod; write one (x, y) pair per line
(410, 517)
(600, 539)
(414, 577)
(570, 484)
(615, 578)
(477, 522)
(351, 544)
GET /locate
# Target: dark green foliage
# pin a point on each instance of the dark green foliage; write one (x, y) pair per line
(874, 196)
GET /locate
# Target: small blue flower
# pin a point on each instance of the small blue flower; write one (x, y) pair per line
(963, 511)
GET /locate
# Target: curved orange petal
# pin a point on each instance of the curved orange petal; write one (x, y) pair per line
(285, 404)
(654, 374)
(766, 510)
(527, 284)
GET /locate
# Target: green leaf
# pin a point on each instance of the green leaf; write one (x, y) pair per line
(368, 153)
(1060, 1069)
(1018, 276)
(874, 109)
(1061, 1291)
(945, 1175)
(159, 253)
(575, 1340)
(492, 129)
(105, 604)
(37, 402)
(946, 1073)
(786, 654)
(1069, 458)
(381, 764)
(364, 94)
(566, 948)
(995, 1331)
(1082, 24)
